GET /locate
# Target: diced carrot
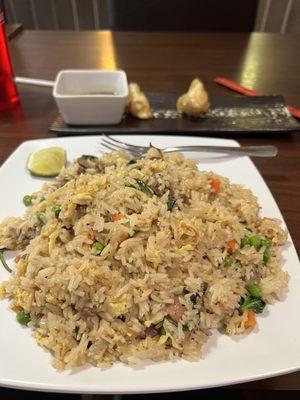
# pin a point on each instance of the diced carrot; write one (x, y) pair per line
(17, 258)
(116, 217)
(77, 266)
(250, 319)
(215, 185)
(231, 246)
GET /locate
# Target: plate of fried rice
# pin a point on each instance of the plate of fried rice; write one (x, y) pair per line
(164, 272)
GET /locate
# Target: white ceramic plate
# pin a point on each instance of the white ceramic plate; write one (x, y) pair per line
(272, 349)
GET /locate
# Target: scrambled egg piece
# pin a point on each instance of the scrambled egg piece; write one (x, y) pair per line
(184, 250)
(51, 299)
(49, 229)
(71, 208)
(119, 306)
(82, 198)
(20, 297)
(158, 166)
(186, 233)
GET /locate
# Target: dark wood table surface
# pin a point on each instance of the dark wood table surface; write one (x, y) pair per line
(269, 63)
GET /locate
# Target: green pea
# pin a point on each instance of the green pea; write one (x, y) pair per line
(40, 216)
(56, 209)
(256, 242)
(98, 246)
(27, 200)
(245, 241)
(228, 261)
(255, 290)
(23, 318)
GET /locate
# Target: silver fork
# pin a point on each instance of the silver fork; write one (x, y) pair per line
(254, 151)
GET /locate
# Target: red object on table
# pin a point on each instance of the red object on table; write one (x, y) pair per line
(9, 97)
(247, 92)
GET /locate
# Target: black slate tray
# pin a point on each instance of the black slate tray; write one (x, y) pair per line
(232, 114)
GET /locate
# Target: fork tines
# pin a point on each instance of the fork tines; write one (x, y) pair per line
(114, 144)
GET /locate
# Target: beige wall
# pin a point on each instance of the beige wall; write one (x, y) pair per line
(278, 16)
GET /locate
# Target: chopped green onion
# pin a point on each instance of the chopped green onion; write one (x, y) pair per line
(40, 216)
(266, 242)
(266, 256)
(3, 261)
(27, 200)
(185, 327)
(23, 318)
(98, 246)
(162, 331)
(130, 185)
(255, 290)
(131, 162)
(141, 185)
(56, 209)
(255, 241)
(228, 261)
(170, 204)
(42, 199)
(144, 188)
(110, 215)
(255, 304)
(89, 157)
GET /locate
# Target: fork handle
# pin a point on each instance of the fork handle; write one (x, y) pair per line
(254, 151)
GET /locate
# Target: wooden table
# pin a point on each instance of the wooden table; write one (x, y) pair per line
(269, 63)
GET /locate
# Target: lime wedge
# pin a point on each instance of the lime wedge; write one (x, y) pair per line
(47, 162)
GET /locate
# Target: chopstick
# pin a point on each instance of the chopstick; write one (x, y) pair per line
(31, 81)
(247, 92)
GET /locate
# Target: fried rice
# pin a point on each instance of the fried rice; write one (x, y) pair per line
(128, 260)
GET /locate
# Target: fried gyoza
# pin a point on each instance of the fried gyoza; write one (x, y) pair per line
(137, 104)
(195, 101)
